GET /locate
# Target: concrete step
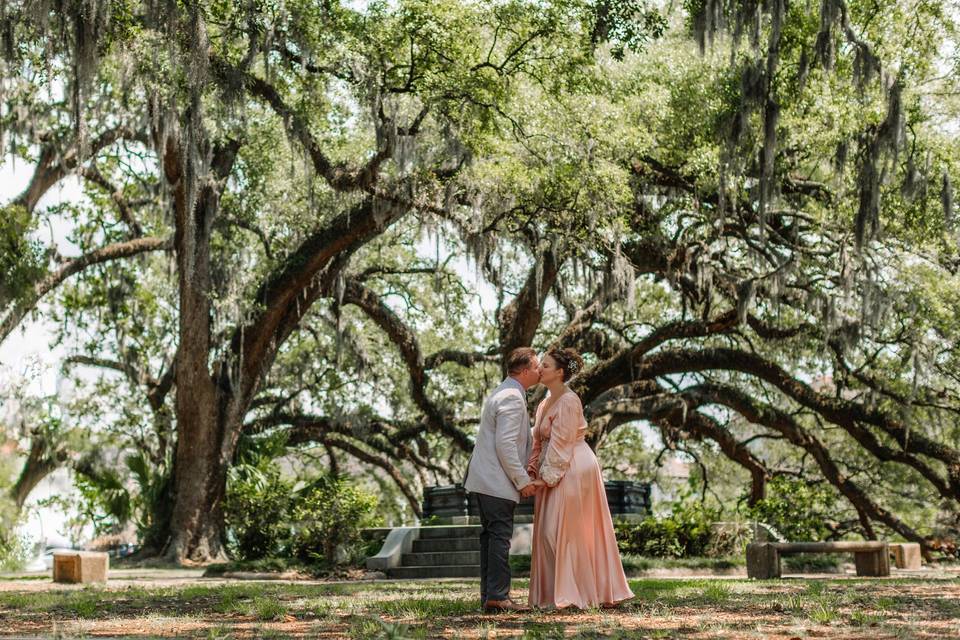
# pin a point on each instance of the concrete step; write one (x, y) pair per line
(443, 571)
(460, 558)
(460, 531)
(437, 545)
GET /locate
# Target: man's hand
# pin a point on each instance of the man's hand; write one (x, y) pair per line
(532, 488)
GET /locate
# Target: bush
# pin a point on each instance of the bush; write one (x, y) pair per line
(15, 547)
(15, 550)
(257, 512)
(330, 514)
(799, 511)
(684, 533)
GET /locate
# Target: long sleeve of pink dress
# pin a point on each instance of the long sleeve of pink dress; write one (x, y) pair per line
(575, 560)
(533, 462)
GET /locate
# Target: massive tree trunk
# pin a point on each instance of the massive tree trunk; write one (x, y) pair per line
(212, 398)
(211, 404)
(199, 468)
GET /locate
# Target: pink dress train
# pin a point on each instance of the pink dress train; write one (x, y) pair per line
(575, 560)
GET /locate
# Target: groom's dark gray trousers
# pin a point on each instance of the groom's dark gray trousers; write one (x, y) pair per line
(496, 530)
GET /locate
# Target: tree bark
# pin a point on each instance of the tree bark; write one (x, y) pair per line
(40, 462)
(55, 163)
(520, 319)
(199, 468)
(211, 405)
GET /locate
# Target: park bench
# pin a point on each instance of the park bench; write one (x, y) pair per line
(80, 566)
(872, 558)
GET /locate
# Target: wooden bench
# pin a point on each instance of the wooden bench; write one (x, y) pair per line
(80, 566)
(872, 558)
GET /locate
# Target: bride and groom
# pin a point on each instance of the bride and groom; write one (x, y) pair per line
(575, 560)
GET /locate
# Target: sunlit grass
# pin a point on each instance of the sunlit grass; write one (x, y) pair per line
(675, 608)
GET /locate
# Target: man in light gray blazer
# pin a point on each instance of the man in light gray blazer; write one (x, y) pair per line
(497, 475)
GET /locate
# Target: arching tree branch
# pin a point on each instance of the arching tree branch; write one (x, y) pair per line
(759, 413)
(74, 266)
(406, 341)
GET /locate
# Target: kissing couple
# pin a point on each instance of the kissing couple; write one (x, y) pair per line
(575, 560)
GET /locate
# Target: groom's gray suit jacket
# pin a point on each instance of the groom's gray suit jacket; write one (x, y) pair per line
(499, 460)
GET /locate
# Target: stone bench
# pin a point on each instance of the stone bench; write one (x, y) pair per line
(872, 558)
(906, 555)
(80, 567)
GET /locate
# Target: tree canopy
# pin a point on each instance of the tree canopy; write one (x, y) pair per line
(741, 213)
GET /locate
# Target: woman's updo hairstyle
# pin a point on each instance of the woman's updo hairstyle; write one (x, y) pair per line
(568, 360)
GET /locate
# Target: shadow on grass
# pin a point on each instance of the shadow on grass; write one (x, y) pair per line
(397, 609)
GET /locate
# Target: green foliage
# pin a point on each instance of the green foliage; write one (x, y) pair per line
(269, 609)
(685, 533)
(102, 502)
(798, 510)
(562, 142)
(329, 515)
(624, 456)
(633, 565)
(151, 504)
(21, 257)
(626, 25)
(105, 500)
(813, 562)
(15, 547)
(257, 512)
(267, 518)
(275, 564)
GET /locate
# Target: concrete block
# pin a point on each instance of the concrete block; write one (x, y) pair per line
(763, 561)
(906, 555)
(872, 563)
(80, 567)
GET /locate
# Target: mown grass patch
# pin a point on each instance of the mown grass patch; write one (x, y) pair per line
(424, 608)
(674, 608)
(268, 609)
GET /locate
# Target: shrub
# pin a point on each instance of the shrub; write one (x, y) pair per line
(15, 550)
(684, 533)
(798, 510)
(329, 515)
(15, 547)
(257, 512)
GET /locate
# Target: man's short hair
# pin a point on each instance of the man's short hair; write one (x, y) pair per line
(519, 359)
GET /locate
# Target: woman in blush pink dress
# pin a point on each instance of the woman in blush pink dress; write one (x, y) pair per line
(575, 559)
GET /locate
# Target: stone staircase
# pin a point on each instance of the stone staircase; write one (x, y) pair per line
(442, 552)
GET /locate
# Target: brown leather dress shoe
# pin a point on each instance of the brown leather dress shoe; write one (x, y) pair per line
(498, 606)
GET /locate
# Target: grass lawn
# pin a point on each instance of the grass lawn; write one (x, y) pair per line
(667, 608)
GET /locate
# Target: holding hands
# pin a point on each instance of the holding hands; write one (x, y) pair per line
(533, 487)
